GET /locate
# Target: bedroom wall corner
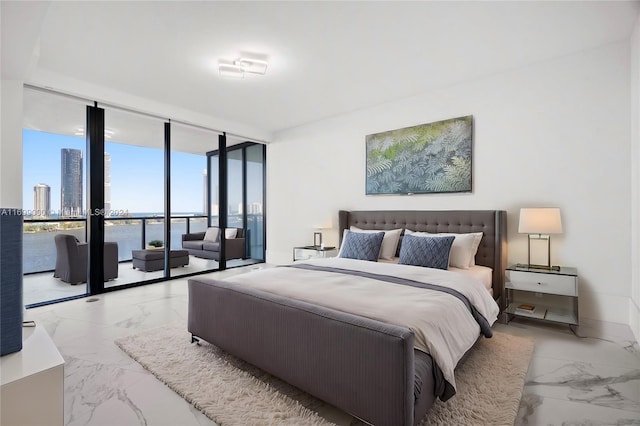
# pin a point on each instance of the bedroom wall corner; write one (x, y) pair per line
(634, 304)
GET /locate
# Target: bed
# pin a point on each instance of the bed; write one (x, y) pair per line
(370, 367)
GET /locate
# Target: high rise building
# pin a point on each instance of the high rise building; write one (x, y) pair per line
(204, 191)
(215, 208)
(71, 182)
(107, 183)
(41, 201)
(255, 208)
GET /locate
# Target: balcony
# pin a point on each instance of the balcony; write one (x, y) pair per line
(131, 233)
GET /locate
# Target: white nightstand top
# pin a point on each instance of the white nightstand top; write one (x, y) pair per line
(564, 270)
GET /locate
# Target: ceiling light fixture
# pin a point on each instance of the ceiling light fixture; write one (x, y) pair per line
(239, 67)
(254, 66)
(231, 71)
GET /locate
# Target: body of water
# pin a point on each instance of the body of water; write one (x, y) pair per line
(39, 248)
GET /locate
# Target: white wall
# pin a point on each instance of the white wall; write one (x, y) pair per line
(634, 305)
(11, 144)
(551, 134)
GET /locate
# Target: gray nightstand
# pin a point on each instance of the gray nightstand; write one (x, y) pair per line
(554, 294)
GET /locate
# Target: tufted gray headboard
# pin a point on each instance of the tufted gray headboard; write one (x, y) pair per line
(492, 223)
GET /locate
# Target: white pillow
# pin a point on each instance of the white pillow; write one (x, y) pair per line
(389, 242)
(230, 233)
(476, 245)
(461, 249)
(212, 234)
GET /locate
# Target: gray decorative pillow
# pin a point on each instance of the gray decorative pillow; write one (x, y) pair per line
(431, 252)
(362, 246)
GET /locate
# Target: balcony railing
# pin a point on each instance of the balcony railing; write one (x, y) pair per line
(131, 233)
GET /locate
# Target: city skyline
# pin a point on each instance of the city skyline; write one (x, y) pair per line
(131, 185)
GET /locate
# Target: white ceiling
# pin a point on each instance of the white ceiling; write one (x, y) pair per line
(325, 58)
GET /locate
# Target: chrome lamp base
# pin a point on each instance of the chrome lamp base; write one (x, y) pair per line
(529, 265)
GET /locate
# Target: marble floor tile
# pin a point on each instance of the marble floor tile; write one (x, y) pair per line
(557, 341)
(99, 394)
(539, 411)
(587, 350)
(42, 287)
(589, 380)
(602, 385)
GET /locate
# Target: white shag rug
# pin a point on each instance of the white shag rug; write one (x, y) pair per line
(231, 392)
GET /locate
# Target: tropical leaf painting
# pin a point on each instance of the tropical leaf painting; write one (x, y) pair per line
(428, 158)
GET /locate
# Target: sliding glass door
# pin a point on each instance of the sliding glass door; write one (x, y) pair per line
(255, 156)
(213, 190)
(189, 197)
(235, 187)
(134, 192)
(245, 171)
(54, 196)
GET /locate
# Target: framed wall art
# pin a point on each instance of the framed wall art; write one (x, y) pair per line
(424, 159)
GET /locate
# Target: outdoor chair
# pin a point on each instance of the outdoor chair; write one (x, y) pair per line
(71, 260)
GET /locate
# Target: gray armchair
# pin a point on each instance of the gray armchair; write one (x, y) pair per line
(71, 260)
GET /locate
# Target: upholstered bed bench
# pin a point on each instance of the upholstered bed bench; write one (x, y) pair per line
(153, 260)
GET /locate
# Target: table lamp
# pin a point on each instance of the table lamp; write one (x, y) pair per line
(317, 236)
(539, 223)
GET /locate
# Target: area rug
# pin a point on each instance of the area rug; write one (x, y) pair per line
(231, 392)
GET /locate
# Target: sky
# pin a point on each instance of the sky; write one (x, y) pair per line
(137, 174)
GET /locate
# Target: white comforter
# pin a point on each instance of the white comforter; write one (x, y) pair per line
(443, 326)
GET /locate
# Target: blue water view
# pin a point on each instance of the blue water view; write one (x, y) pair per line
(39, 250)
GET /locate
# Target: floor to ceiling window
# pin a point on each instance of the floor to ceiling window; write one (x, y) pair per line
(189, 193)
(54, 177)
(246, 196)
(235, 185)
(157, 182)
(255, 155)
(134, 192)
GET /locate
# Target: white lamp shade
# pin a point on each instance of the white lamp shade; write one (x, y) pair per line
(544, 220)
